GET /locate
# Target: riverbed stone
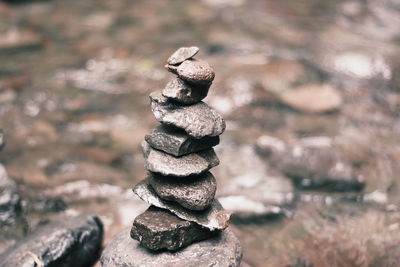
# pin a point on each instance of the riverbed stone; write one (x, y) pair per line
(160, 229)
(182, 54)
(176, 142)
(192, 164)
(71, 241)
(179, 91)
(194, 71)
(324, 97)
(315, 165)
(222, 250)
(213, 218)
(10, 201)
(194, 193)
(198, 120)
(2, 141)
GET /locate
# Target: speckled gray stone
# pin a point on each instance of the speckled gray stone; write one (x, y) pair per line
(179, 91)
(194, 193)
(165, 164)
(70, 241)
(159, 229)
(182, 54)
(223, 250)
(213, 218)
(176, 142)
(198, 120)
(193, 71)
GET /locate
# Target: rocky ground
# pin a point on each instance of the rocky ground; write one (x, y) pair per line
(309, 163)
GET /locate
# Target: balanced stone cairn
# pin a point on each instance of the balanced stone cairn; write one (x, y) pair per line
(179, 155)
(184, 225)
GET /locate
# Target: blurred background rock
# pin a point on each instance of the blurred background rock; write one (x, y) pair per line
(310, 90)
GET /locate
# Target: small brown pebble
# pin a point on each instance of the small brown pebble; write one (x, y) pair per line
(182, 54)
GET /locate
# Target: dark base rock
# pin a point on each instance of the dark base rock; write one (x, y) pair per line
(194, 193)
(74, 241)
(159, 229)
(222, 250)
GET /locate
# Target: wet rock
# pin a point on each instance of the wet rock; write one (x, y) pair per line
(279, 75)
(75, 170)
(192, 164)
(10, 201)
(2, 140)
(16, 40)
(194, 71)
(213, 218)
(179, 91)
(197, 120)
(312, 165)
(195, 193)
(74, 241)
(312, 98)
(248, 187)
(159, 229)
(222, 250)
(182, 54)
(176, 142)
(244, 207)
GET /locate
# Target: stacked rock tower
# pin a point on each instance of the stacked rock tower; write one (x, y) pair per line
(179, 154)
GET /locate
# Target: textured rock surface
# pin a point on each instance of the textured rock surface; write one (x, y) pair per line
(213, 218)
(192, 164)
(223, 250)
(182, 54)
(313, 98)
(314, 166)
(198, 120)
(179, 91)
(176, 142)
(74, 241)
(195, 193)
(10, 201)
(159, 229)
(194, 71)
(247, 186)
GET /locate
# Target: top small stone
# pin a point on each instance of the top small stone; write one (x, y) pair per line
(182, 54)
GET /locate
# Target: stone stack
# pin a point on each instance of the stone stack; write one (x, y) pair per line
(179, 154)
(184, 225)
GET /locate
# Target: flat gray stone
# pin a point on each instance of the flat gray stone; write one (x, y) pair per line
(223, 250)
(182, 54)
(179, 91)
(195, 193)
(194, 71)
(176, 142)
(213, 218)
(187, 165)
(198, 120)
(159, 229)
